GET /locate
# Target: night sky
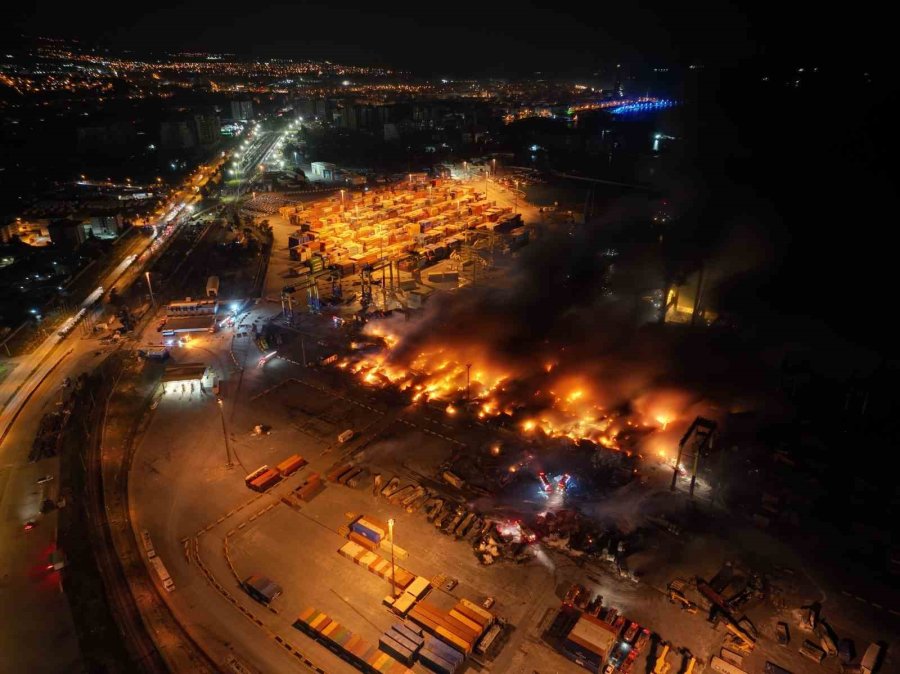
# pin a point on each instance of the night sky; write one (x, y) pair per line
(467, 37)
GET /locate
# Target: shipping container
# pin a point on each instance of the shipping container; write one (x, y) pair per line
(395, 649)
(291, 465)
(419, 587)
(476, 610)
(404, 639)
(472, 625)
(265, 481)
(721, 666)
(435, 663)
(448, 653)
(870, 658)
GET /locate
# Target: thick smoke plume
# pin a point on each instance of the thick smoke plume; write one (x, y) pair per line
(568, 343)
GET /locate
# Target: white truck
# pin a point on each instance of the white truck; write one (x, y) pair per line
(163, 573)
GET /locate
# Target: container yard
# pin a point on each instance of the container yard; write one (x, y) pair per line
(403, 228)
(425, 515)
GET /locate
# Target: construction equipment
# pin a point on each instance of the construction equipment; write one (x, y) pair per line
(738, 638)
(676, 595)
(661, 666)
(689, 662)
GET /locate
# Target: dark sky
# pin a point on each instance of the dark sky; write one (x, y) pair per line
(463, 37)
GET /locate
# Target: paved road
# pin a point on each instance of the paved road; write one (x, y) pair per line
(29, 391)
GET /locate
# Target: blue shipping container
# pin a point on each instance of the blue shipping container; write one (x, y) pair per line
(402, 640)
(365, 531)
(436, 663)
(395, 650)
(408, 634)
(414, 631)
(446, 652)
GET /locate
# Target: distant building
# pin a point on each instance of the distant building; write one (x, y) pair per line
(618, 87)
(323, 170)
(67, 234)
(358, 117)
(176, 135)
(106, 226)
(242, 109)
(207, 129)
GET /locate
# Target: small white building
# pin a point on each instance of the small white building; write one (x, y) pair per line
(323, 170)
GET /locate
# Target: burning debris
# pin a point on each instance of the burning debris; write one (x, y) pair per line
(562, 350)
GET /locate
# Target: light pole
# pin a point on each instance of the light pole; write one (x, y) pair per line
(150, 288)
(465, 169)
(221, 404)
(393, 579)
(516, 198)
(342, 200)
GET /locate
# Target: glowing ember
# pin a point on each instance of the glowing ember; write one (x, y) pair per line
(569, 396)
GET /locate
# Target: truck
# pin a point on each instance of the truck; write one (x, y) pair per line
(212, 286)
(262, 589)
(162, 573)
(346, 436)
(147, 543)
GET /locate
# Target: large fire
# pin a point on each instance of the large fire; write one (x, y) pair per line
(562, 346)
(555, 398)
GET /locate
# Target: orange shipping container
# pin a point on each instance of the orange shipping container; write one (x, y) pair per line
(363, 541)
(291, 465)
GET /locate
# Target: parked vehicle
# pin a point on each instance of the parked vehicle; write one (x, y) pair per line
(262, 589)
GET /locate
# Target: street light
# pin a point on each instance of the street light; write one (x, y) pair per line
(150, 287)
(393, 579)
(342, 199)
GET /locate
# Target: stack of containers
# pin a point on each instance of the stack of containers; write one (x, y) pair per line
(445, 627)
(265, 480)
(439, 657)
(402, 643)
(413, 593)
(310, 488)
(474, 613)
(376, 564)
(347, 644)
(369, 530)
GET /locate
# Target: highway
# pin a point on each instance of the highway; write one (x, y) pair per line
(31, 389)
